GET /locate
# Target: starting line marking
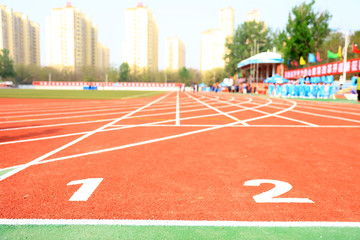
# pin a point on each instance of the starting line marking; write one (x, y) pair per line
(184, 223)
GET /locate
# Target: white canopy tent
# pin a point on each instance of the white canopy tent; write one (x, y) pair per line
(262, 63)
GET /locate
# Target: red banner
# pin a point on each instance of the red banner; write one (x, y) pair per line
(334, 68)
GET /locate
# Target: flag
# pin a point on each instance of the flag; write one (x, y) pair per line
(302, 61)
(288, 63)
(332, 55)
(318, 57)
(339, 52)
(312, 58)
(296, 64)
(354, 49)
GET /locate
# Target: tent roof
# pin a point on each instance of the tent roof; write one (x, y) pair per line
(264, 57)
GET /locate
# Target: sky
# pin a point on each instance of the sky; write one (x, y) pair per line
(185, 19)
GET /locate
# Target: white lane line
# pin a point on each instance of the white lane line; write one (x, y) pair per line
(328, 110)
(73, 117)
(136, 144)
(37, 160)
(332, 105)
(276, 114)
(216, 126)
(177, 123)
(219, 111)
(84, 116)
(153, 124)
(103, 120)
(119, 127)
(174, 223)
(321, 115)
(327, 116)
(64, 113)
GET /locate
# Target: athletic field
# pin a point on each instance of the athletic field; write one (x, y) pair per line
(179, 166)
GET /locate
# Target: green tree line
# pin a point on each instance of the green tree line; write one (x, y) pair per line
(307, 31)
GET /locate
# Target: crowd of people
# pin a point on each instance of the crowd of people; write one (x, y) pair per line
(306, 87)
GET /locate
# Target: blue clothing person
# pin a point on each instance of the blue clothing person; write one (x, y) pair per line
(271, 89)
(278, 90)
(321, 91)
(314, 90)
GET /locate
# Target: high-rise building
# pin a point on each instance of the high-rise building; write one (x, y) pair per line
(20, 36)
(213, 42)
(227, 20)
(253, 16)
(141, 40)
(103, 56)
(71, 39)
(174, 54)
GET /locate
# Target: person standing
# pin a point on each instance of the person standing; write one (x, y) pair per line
(358, 87)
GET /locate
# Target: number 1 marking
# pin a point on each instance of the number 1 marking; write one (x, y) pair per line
(279, 189)
(88, 187)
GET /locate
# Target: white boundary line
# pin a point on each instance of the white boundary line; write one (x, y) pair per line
(219, 111)
(177, 223)
(210, 127)
(148, 141)
(177, 123)
(135, 144)
(119, 127)
(37, 160)
(276, 114)
(87, 116)
(317, 108)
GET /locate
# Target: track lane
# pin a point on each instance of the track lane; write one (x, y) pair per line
(201, 184)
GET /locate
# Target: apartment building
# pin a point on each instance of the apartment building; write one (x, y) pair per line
(213, 41)
(20, 36)
(141, 40)
(103, 56)
(174, 54)
(71, 39)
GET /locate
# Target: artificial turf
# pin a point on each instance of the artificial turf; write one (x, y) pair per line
(74, 94)
(172, 232)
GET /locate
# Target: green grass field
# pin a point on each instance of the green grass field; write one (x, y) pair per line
(74, 94)
(166, 232)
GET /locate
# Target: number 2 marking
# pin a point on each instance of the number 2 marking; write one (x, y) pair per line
(88, 187)
(279, 189)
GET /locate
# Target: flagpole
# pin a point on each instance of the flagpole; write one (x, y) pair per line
(345, 54)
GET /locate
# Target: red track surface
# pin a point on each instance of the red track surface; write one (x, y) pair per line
(313, 146)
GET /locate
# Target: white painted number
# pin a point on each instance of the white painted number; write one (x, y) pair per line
(279, 189)
(88, 187)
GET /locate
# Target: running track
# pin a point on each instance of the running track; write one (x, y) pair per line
(180, 156)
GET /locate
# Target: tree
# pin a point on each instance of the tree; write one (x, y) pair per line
(195, 75)
(212, 76)
(6, 64)
(124, 72)
(278, 38)
(306, 31)
(185, 75)
(88, 74)
(241, 45)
